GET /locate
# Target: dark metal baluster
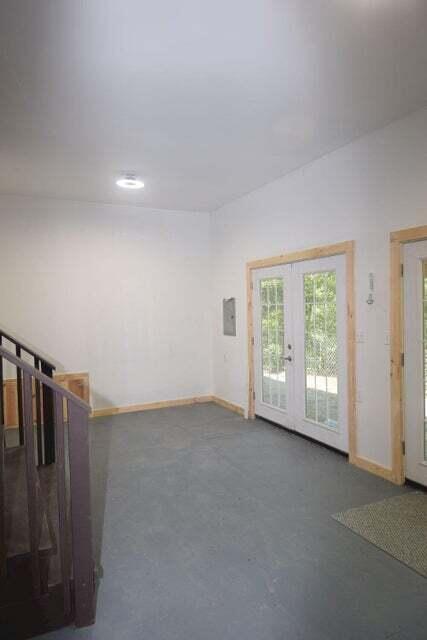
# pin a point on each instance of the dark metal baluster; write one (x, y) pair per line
(38, 415)
(64, 549)
(48, 426)
(1, 386)
(3, 550)
(81, 522)
(19, 397)
(32, 483)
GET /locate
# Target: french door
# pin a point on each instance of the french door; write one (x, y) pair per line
(415, 394)
(300, 348)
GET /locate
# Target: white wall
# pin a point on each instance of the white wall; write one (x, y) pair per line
(360, 192)
(121, 292)
(127, 293)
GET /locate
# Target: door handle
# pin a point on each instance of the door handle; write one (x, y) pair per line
(289, 359)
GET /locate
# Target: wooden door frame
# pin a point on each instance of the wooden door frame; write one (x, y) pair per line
(342, 248)
(397, 327)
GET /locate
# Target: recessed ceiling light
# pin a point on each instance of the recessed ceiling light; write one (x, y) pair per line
(129, 181)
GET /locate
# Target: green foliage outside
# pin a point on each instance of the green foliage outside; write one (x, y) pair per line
(320, 324)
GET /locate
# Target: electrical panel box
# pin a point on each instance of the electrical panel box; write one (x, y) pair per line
(229, 316)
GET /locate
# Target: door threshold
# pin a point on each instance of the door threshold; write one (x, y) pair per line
(415, 485)
(302, 435)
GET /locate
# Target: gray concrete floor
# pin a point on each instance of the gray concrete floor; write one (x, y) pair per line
(214, 528)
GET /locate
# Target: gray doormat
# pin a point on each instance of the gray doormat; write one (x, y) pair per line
(397, 525)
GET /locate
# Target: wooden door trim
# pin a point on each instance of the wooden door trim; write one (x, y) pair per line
(342, 248)
(397, 327)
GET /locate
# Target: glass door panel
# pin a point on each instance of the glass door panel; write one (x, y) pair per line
(300, 348)
(273, 342)
(320, 335)
(321, 368)
(273, 365)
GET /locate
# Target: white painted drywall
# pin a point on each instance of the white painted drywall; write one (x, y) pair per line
(127, 293)
(360, 192)
(121, 292)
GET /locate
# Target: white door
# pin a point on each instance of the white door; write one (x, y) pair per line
(415, 390)
(300, 348)
(273, 344)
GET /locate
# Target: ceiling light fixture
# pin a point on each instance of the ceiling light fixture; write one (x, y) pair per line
(130, 181)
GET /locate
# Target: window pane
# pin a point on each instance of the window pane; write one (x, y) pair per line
(273, 347)
(321, 362)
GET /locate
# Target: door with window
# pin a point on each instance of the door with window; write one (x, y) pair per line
(415, 339)
(300, 348)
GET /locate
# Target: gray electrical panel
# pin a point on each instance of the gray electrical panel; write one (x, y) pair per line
(229, 316)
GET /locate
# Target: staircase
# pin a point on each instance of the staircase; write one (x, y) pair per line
(47, 572)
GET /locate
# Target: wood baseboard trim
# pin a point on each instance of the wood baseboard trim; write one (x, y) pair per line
(164, 404)
(373, 467)
(149, 406)
(229, 405)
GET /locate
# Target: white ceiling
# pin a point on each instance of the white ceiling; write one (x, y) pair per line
(204, 100)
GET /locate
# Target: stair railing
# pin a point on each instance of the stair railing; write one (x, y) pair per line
(72, 480)
(43, 398)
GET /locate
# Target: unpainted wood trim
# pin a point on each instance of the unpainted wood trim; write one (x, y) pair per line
(164, 404)
(413, 234)
(66, 377)
(397, 240)
(373, 467)
(396, 371)
(77, 383)
(149, 406)
(301, 256)
(36, 374)
(228, 405)
(351, 353)
(342, 248)
(250, 321)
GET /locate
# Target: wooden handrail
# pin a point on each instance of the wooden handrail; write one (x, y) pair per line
(44, 379)
(22, 345)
